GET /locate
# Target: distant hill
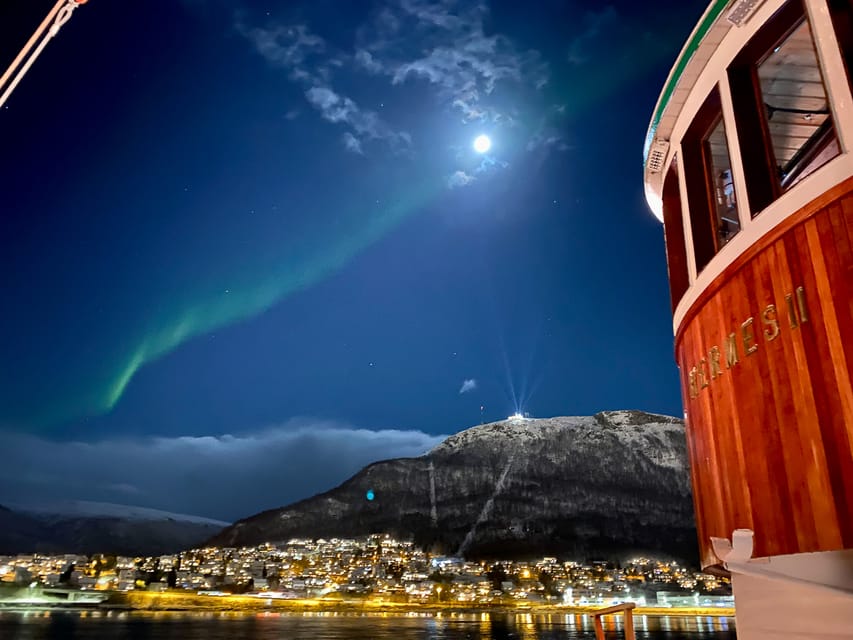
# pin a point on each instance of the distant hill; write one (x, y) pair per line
(19, 532)
(93, 527)
(604, 486)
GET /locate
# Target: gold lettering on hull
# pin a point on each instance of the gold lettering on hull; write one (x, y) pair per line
(769, 319)
(792, 313)
(801, 303)
(710, 368)
(714, 359)
(731, 351)
(703, 379)
(748, 346)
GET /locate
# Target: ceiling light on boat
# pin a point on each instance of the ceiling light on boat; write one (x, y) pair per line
(741, 11)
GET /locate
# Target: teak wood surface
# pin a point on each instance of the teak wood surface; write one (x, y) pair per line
(770, 437)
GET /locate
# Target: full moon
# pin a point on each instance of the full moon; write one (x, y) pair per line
(482, 143)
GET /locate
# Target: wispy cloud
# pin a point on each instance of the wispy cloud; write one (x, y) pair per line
(331, 105)
(459, 179)
(547, 140)
(365, 125)
(549, 134)
(596, 23)
(224, 477)
(305, 57)
(441, 42)
(292, 47)
(489, 163)
(366, 61)
(452, 52)
(468, 385)
(351, 143)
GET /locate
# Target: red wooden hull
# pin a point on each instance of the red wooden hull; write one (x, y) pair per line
(766, 360)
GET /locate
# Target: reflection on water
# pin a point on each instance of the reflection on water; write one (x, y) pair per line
(98, 625)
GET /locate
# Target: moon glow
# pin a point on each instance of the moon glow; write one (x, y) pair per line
(482, 143)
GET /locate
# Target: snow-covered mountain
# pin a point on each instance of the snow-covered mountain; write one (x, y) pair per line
(86, 509)
(607, 486)
(93, 527)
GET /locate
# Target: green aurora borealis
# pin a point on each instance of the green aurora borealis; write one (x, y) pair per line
(90, 366)
(94, 385)
(248, 299)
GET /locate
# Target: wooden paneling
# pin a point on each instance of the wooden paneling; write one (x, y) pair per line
(770, 425)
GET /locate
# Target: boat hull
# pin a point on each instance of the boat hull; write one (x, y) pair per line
(766, 361)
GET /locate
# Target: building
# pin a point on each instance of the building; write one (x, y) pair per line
(748, 164)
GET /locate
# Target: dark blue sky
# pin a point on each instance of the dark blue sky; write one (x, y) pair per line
(266, 219)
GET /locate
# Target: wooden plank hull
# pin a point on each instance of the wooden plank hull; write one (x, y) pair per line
(766, 361)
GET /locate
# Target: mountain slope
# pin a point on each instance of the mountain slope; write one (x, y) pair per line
(92, 527)
(601, 486)
(19, 531)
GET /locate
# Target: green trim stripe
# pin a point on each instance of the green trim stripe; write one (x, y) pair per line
(708, 20)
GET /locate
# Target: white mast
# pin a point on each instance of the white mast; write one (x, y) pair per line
(50, 26)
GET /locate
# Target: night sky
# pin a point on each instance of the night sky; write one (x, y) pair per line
(248, 247)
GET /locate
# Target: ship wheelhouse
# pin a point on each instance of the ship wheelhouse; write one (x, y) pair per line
(749, 165)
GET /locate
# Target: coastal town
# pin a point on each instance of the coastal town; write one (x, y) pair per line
(377, 568)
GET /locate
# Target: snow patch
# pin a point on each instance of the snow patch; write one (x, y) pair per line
(647, 433)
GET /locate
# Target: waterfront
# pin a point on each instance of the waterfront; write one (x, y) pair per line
(375, 569)
(97, 625)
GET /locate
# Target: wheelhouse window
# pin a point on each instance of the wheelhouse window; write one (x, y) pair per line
(797, 107)
(720, 169)
(710, 188)
(781, 107)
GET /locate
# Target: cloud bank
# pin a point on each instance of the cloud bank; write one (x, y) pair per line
(225, 477)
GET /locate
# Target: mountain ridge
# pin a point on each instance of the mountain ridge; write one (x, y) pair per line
(91, 509)
(605, 485)
(92, 527)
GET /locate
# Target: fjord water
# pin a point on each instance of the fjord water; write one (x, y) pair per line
(230, 626)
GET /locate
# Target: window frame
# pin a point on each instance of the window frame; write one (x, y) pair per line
(838, 82)
(841, 15)
(757, 154)
(699, 181)
(674, 238)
